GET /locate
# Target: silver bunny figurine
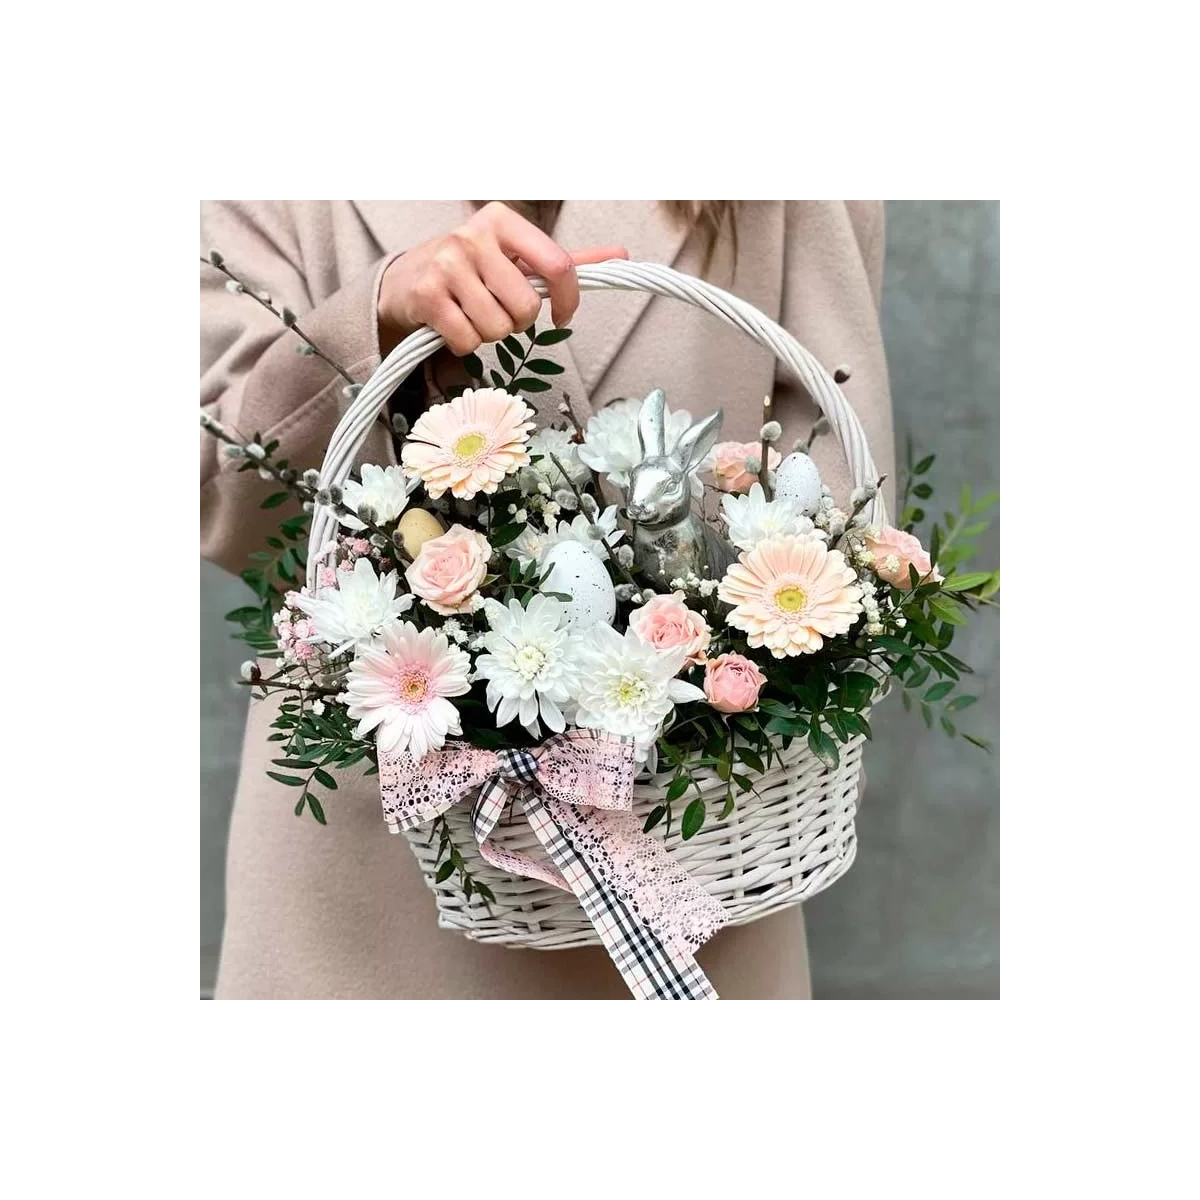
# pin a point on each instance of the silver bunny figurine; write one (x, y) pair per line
(669, 540)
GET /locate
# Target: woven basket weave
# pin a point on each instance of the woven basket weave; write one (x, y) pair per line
(788, 839)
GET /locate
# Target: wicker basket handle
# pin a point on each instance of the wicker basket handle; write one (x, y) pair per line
(352, 430)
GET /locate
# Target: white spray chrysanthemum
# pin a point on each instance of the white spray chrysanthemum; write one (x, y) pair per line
(527, 664)
(384, 490)
(624, 686)
(592, 532)
(361, 606)
(611, 444)
(753, 518)
(541, 446)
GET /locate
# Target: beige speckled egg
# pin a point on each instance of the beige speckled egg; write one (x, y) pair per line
(416, 528)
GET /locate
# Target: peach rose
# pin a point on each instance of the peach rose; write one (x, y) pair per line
(448, 569)
(731, 471)
(894, 550)
(732, 683)
(666, 623)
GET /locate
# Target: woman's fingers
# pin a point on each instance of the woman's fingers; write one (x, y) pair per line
(469, 286)
(504, 280)
(490, 320)
(519, 239)
(596, 254)
(449, 320)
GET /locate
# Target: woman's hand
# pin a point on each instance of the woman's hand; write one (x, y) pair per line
(470, 285)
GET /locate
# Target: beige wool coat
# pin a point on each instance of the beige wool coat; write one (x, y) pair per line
(341, 911)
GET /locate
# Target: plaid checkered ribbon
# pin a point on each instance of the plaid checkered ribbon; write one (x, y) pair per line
(576, 791)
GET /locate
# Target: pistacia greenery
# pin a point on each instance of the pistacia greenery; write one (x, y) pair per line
(827, 699)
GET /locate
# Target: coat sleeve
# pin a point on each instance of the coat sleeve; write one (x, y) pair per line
(252, 378)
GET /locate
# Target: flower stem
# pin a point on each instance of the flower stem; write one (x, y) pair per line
(763, 450)
(603, 538)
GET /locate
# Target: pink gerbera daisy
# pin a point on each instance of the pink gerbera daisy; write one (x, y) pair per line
(790, 593)
(399, 684)
(470, 443)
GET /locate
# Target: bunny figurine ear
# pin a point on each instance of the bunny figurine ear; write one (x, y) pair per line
(652, 424)
(697, 440)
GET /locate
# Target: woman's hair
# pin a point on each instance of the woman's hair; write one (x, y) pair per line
(708, 218)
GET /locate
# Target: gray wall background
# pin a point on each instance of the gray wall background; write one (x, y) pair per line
(918, 915)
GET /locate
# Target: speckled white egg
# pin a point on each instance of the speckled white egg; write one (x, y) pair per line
(797, 479)
(576, 572)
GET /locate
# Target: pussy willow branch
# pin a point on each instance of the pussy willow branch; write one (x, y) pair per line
(637, 587)
(288, 319)
(295, 485)
(258, 298)
(764, 450)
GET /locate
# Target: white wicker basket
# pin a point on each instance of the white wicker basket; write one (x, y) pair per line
(784, 842)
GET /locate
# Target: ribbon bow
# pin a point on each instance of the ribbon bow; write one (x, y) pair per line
(576, 791)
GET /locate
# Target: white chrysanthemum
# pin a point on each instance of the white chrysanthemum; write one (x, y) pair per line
(361, 606)
(583, 529)
(611, 444)
(399, 684)
(527, 665)
(532, 544)
(544, 472)
(383, 489)
(624, 686)
(753, 518)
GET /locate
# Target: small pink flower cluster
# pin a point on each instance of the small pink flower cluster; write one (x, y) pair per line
(292, 627)
(350, 550)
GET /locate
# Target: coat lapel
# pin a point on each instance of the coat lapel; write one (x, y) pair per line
(606, 319)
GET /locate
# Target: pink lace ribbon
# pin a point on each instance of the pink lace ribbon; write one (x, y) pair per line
(576, 790)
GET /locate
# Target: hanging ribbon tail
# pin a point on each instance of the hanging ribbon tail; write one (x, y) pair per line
(655, 961)
(576, 791)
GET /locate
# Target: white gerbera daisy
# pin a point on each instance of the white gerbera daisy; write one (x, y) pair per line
(543, 475)
(527, 664)
(398, 685)
(753, 518)
(624, 686)
(611, 444)
(384, 489)
(359, 607)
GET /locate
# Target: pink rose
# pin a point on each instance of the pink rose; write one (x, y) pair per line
(326, 577)
(666, 623)
(732, 683)
(448, 569)
(894, 550)
(731, 471)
